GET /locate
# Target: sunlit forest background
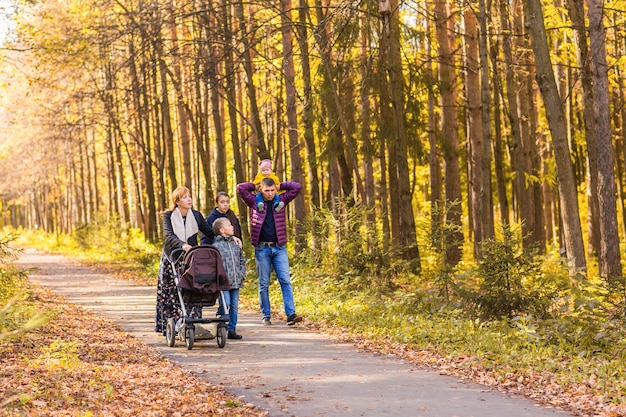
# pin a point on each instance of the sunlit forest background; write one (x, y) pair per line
(422, 129)
(463, 163)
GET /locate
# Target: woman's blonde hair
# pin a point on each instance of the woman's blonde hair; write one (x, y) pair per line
(177, 194)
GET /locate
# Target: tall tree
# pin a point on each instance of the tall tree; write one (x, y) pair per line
(215, 39)
(292, 119)
(475, 127)
(518, 113)
(255, 115)
(486, 201)
(405, 239)
(308, 115)
(556, 119)
(610, 261)
(577, 16)
(444, 28)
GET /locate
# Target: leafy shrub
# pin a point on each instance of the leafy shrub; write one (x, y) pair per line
(349, 257)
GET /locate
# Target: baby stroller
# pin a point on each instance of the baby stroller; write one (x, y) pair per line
(200, 277)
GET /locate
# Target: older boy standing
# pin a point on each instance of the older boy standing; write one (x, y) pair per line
(268, 235)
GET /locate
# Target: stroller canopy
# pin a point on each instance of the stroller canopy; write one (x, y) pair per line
(203, 272)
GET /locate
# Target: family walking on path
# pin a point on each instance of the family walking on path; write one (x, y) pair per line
(268, 235)
(295, 372)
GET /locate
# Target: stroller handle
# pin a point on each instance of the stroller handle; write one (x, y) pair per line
(176, 254)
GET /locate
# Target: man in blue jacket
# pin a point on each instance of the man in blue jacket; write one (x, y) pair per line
(268, 235)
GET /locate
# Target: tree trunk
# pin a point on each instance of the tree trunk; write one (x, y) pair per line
(568, 196)
(406, 240)
(622, 150)
(520, 133)
(292, 120)
(474, 127)
(213, 73)
(498, 157)
(444, 22)
(183, 119)
(166, 119)
(486, 202)
(366, 132)
(250, 87)
(308, 116)
(231, 94)
(434, 163)
(577, 16)
(610, 261)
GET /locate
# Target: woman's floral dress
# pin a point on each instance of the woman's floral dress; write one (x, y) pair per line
(167, 304)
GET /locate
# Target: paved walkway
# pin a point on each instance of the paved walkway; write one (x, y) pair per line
(288, 371)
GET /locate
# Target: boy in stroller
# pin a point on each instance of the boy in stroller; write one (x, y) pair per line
(200, 278)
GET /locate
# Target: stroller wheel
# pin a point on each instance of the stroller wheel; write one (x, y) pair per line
(222, 333)
(170, 333)
(189, 337)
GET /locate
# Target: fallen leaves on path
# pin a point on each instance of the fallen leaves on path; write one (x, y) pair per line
(79, 364)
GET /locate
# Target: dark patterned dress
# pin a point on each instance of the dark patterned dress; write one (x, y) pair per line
(167, 303)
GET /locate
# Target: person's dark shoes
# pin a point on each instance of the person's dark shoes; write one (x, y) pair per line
(293, 319)
(267, 321)
(279, 207)
(232, 334)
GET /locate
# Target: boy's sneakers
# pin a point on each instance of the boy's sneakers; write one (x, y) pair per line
(293, 319)
(267, 321)
(279, 206)
(260, 206)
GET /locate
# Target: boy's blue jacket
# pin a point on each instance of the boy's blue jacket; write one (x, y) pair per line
(234, 261)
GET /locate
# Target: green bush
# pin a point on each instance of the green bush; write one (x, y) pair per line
(511, 281)
(349, 256)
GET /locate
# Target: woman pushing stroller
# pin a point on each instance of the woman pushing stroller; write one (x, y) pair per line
(181, 225)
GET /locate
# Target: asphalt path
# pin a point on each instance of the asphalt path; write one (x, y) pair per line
(286, 370)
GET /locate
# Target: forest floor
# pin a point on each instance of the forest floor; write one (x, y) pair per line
(100, 356)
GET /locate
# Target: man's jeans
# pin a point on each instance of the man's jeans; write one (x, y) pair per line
(231, 298)
(267, 257)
